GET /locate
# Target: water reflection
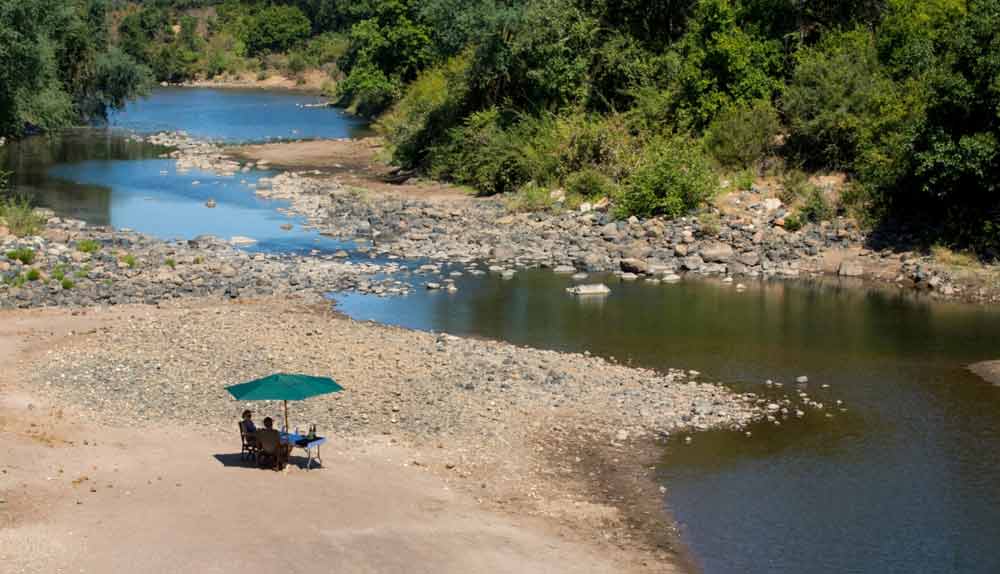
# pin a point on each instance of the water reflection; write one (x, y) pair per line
(907, 480)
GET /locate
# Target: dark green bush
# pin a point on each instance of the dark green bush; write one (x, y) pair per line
(276, 29)
(674, 178)
(482, 154)
(367, 91)
(589, 183)
(742, 135)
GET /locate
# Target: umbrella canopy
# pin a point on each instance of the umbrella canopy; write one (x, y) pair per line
(284, 387)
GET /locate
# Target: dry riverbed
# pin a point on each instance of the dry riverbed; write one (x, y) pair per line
(553, 443)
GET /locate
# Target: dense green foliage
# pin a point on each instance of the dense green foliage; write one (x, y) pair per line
(56, 66)
(645, 101)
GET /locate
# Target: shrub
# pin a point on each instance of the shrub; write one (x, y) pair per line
(794, 185)
(590, 182)
(832, 99)
(82, 272)
(170, 263)
(674, 177)
(743, 135)
(59, 272)
(15, 280)
(816, 208)
(429, 107)
(531, 197)
(710, 223)
(25, 255)
(367, 91)
(88, 246)
(743, 180)
(33, 275)
(947, 256)
(481, 154)
(129, 260)
(67, 283)
(19, 216)
(276, 29)
(793, 222)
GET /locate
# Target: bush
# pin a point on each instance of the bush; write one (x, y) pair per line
(743, 135)
(481, 154)
(19, 216)
(67, 283)
(710, 223)
(33, 275)
(832, 100)
(794, 186)
(59, 272)
(531, 197)
(816, 207)
(88, 246)
(169, 262)
(590, 183)
(25, 255)
(276, 29)
(675, 177)
(129, 260)
(429, 107)
(367, 91)
(793, 222)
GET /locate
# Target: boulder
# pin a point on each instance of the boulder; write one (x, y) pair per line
(592, 289)
(850, 269)
(750, 258)
(632, 265)
(692, 263)
(716, 252)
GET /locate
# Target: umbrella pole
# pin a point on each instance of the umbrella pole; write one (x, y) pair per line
(286, 418)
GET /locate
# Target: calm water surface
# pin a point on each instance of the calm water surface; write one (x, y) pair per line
(907, 480)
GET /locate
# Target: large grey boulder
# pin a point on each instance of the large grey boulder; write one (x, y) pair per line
(716, 252)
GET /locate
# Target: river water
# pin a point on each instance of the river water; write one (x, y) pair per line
(905, 479)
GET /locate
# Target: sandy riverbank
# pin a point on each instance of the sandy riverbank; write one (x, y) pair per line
(455, 455)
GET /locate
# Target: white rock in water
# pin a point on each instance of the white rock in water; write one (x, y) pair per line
(671, 278)
(592, 289)
(242, 240)
(507, 274)
(564, 269)
(210, 203)
(802, 379)
(433, 285)
(579, 276)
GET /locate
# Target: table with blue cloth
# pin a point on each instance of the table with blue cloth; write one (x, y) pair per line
(306, 443)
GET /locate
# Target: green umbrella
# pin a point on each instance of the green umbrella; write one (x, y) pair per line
(284, 387)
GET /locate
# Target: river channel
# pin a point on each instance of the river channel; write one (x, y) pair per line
(903, 476)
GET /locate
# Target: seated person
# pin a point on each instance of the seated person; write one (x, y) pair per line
(270, 443)
(248, 426)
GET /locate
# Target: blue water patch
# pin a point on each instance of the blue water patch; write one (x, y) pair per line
(153, 197)
(235, 115)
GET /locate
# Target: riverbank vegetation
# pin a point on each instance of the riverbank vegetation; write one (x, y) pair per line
(58, 66)
(647, 102)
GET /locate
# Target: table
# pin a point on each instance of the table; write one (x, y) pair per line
(305, 443)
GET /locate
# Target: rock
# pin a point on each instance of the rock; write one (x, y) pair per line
(681, 250)
(564, 269)
(286, 226)
(716, 252)
(632, 265)
(242, 240)
(507, 274)
(801, 379)
(586, 207)
(772, 204)
(210, 203)
(341, 254)
(621, 435)
(433, 285)
(579, 276)
(692, 263)
(670, 278)
(602, 204)
(591, 289)
(750, 258)
(850, 269)
(628, 276)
